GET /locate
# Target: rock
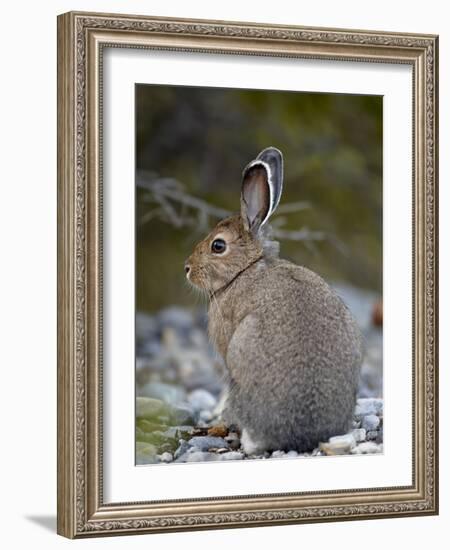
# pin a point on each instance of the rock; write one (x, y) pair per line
(147, 407)
(368, 447)
(206, 416)
(145, 453)
(291, 454)
(371, 374)
(232, 455)
(204, 443)
(196, 370)
(222, 450)
(372, 434)
(146, 327)
(170, 394)
(233, 440)
(148, 437)
(359, 435)
(170, 340)
(338, 445)
(147, 426)
(152, 370)
(201, 399)
(150, 348)
(368, 406)
(199, 456)
(278, 454)
(182, 414)
(168, 447)
(198, 338)
(182, 449)
(166, 457)
(176, 317)
(160, 441)
(142, 363)
(169, 374)
(370, 422)
(347, 439)
(138, 433)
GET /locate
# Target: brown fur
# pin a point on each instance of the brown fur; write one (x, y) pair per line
(291, 347)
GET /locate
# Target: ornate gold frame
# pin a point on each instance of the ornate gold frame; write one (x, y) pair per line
(81, 38)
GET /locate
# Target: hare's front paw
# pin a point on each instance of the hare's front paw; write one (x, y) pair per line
(251, 446)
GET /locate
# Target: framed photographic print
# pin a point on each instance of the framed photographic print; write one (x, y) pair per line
(247, 288)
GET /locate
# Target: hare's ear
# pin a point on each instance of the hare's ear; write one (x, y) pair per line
(262, 184)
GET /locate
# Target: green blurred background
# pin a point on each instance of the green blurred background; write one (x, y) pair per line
(196, 141)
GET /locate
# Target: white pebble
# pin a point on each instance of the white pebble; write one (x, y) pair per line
(368, 447)
(200, 456)
(278, 454)
(359, 435)
(166, 457)
(338, 445)
(232, 455)
(201, 400)
(370, 422)
(206, 416)
(368, 405)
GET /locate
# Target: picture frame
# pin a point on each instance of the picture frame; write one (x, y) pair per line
(82, 41)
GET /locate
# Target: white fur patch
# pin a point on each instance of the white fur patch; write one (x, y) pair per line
(250, 446)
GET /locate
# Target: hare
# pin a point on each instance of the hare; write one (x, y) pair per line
(291, 348)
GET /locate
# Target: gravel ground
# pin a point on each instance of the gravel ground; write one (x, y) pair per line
(179, 388)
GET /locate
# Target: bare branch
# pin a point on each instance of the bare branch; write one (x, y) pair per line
(166, 188)
(178, 208)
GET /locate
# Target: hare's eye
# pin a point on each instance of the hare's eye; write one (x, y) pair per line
(218, 246)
